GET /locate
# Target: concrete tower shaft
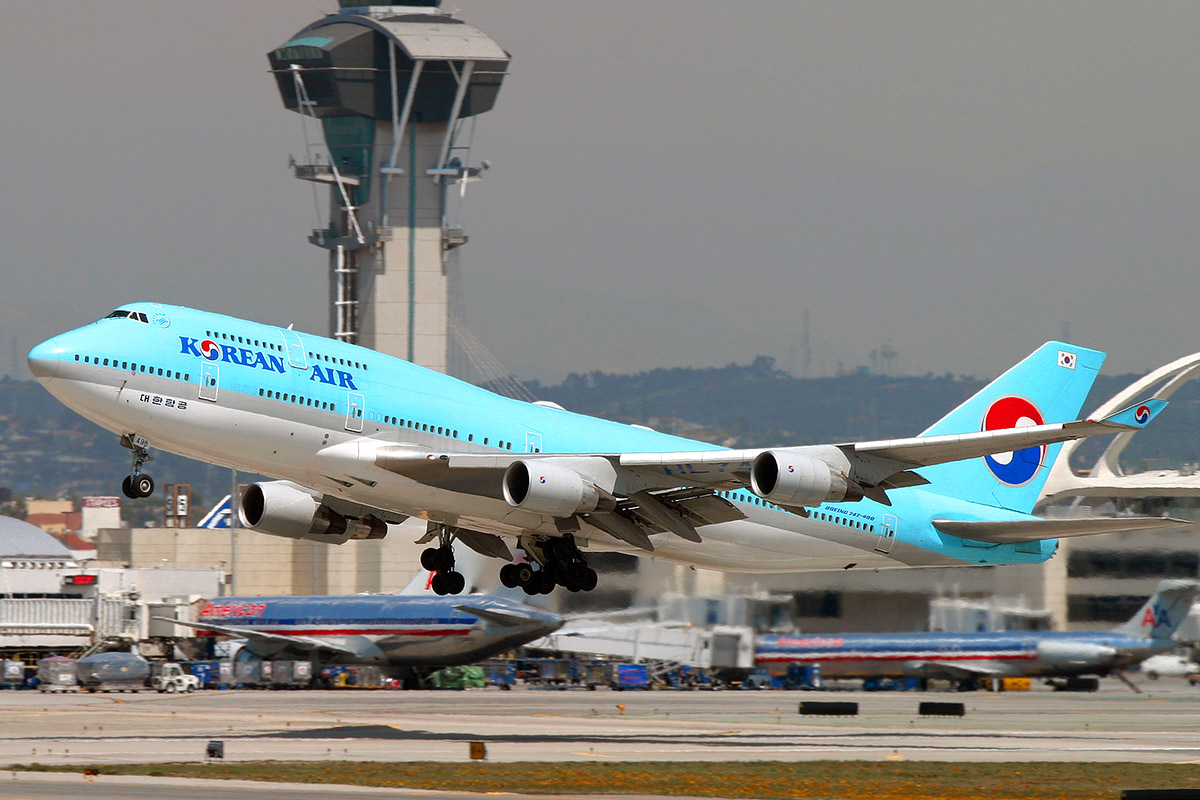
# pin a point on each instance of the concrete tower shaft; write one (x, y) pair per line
(394, 91)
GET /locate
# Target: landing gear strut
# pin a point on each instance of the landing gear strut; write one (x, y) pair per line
(440, 561)
(561, 564)
(136, 485)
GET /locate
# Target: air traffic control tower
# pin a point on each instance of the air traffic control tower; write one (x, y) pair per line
(390, 95)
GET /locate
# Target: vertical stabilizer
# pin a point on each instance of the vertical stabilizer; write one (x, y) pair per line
(1164, 612)
(1048, 386)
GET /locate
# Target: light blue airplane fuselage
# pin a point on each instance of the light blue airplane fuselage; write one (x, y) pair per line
(312, 410)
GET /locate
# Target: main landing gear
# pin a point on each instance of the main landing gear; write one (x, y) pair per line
(563, 565)
(440, 561)
(137, 485)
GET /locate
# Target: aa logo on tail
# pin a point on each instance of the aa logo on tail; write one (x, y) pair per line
(1155, 615)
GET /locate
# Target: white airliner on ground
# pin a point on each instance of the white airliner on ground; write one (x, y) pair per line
(359, 440)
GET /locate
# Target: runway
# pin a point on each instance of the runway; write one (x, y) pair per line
(537, 725)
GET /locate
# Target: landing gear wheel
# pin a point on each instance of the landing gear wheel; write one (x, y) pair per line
(544, 582)
(448, 583)
(437, 559)
(429, 559)
(455, 582)
(591, 579)
(127, 488)
(580, 578)
(143, 485)
(508, 576)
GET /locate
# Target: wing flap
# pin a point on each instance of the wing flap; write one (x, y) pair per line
(1032, 530)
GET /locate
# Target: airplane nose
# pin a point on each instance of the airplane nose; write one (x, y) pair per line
(44, 359)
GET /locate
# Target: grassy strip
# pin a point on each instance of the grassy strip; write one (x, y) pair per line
(852, 780)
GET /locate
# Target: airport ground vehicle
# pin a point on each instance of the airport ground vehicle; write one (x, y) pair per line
(112, 672)
(171, 678)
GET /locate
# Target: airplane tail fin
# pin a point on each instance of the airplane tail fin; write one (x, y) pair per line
(1164, 612)
(1049, 386)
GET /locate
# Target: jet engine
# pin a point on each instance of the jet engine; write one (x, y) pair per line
(541, 486)
(1076, 654)
(285, 509)
(789, 478)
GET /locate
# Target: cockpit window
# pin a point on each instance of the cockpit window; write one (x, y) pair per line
(121, 313)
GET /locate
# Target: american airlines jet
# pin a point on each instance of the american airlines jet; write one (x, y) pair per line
(357, 441)
(966, 657)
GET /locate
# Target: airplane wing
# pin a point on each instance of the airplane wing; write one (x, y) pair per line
(876, 466)
(955, 670)
(301, 642)
(887, 461)
(1031, 530)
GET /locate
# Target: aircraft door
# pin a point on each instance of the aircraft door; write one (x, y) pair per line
(355, 410)
(295, 349)
(209, 375)
(887, 533)
(533, 442)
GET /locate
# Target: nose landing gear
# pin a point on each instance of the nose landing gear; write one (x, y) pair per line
(137, 485)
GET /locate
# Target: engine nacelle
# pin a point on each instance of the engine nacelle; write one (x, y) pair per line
(541, 486)
(285, 509)
(789, 478)
(1075, 654)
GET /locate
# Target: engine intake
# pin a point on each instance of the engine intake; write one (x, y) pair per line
(284, 509)
(544, 487)
(794, 479)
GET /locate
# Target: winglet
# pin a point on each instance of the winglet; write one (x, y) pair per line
(1137, 415)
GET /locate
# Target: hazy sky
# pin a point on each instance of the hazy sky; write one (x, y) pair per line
(673, 183)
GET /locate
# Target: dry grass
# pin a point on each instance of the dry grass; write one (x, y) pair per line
(825, 780)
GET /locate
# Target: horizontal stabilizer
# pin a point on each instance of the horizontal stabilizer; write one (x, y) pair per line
(504, 618)
(1032, 530)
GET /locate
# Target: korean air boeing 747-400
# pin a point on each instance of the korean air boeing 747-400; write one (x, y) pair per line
(358, 440)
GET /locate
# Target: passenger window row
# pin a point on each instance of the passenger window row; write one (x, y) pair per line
(299, 400)
(411, 424)
(823, 516)
(849, 523)
(229, 337)
(425, 427)
(133, 367)
(345, 362)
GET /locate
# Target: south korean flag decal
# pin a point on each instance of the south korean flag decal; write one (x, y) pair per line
(1066, 359)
